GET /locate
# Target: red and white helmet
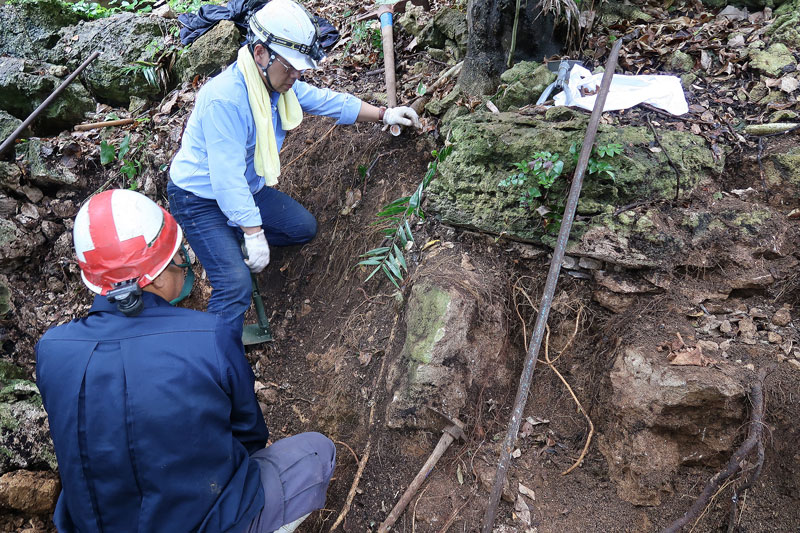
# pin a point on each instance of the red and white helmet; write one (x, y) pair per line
(120, 235)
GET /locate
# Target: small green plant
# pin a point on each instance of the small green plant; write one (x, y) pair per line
(89, 10)
(366, 32)
(130, 168)
(398, 237)
(538, 175)
(599, 162)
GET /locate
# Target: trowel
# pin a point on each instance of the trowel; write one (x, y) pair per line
(563, 68)
(259, 332)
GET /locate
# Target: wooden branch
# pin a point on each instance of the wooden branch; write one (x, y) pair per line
(734, 464)
(105, 124)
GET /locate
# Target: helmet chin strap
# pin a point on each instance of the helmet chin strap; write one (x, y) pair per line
(264, 69)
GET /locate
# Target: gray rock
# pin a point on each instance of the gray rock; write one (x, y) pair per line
(5, 306)
(526, 81)
(447, 30)
(211, 53)
(30, 29)
(43, 164)
(9, 177)
(666, 417)
(454, 339)
(24, 431)
(16, 242)
(8, 123)
(127, 44)
(24, 84)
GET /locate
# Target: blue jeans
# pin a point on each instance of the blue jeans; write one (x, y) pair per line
(218, 246)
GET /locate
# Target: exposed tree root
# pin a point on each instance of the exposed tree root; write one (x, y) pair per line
(753, 440)
(566, 384)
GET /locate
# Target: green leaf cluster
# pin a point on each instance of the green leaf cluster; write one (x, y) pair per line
(536, 175)
(395, 218)
(600, 160)
(129, 167)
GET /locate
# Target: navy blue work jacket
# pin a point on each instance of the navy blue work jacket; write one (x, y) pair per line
(153, 419)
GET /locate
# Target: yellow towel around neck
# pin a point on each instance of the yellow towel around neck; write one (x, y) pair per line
(267, 158)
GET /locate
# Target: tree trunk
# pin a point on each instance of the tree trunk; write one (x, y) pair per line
(490, 24)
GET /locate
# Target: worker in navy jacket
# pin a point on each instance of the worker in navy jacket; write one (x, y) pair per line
(151, 407)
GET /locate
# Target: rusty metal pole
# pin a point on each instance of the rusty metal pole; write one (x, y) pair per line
(549, 291)
(58, 90)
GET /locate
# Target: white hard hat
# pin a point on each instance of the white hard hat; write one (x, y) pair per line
(290, 31)
(123, 236)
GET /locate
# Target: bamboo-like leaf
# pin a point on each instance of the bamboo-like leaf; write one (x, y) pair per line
(400, 201)
(376, 251)
(394, 266)
(409, 235)
(377, 268)
(401, 259)
(392, 210)
(389, 275)
(371, 261)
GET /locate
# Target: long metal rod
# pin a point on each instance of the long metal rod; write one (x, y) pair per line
(549, 291)
(11, 138)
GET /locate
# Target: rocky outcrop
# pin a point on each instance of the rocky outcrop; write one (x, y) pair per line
(455, 339)
(444, 36)
(209, 54)
(30, 29)
(525, 82)
(665, 417)
(486, 146)
(24, 431)
(24, 84)
(128, 45)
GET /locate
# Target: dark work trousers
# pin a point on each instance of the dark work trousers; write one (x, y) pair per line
(295, 473)
(218, 245)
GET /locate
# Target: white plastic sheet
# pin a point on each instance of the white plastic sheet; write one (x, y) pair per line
(661, 91)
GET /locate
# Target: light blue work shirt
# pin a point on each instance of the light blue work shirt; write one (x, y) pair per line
(215, 160)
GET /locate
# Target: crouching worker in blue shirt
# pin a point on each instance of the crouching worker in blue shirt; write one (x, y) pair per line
(221, 179)
(152, 412)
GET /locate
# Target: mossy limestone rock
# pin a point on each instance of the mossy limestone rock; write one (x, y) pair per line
(30, 29)
(526, 81)
(209, 54)
(126, 43)
(24, 432)
(24, 84)
(754, 5)
(485, 146)
(16, 242)
(786, 27)
(773, 60)
(8, 123)
(453, 341)
(43, 166)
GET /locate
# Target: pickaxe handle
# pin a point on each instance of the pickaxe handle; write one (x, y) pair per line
(447, 438)
(387, 37)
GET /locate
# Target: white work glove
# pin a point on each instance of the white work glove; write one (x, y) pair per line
(402, 116)
(257, 251)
